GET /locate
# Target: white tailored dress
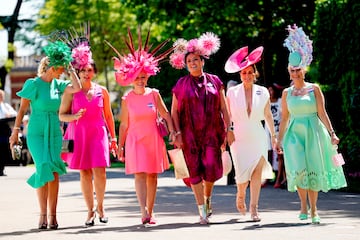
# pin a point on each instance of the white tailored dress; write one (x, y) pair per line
(251, 142)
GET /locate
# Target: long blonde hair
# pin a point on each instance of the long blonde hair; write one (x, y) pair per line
(43, 66)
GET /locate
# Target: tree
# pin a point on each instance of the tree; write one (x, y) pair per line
(11, 23)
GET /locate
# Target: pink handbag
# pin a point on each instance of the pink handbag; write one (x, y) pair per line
(162, 127)
(160, 122)
(338, 159)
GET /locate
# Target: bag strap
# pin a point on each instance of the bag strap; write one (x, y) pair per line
(155, 102)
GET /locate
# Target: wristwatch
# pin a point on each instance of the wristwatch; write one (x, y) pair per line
(230, 128)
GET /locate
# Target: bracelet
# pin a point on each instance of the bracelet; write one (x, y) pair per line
(273, 135)
(332, 132)
(230, 128)
(114, 139)
(16, 128)
(122, 148)
(177, 133)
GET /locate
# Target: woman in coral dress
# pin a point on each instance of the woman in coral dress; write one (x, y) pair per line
(145, 150)
(141, 146)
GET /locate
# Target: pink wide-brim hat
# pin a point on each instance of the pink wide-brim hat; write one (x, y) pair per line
(240, 59)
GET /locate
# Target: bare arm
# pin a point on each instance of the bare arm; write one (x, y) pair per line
(322, 114)
(175, 118)
(269, 120)
(24, 106)
(226, 115)
(124, 124)
(164, 113)
(284, 119)
(109, 118)
(75, 85)
(65, 114)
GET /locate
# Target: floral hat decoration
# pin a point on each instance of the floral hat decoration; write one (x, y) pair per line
(241, 59)
(299, 46)
(128, 66)
(59, 54)
(79, 42)
(208, 43)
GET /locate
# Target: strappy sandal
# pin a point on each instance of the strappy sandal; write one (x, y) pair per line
(240, 203)
(254, 214)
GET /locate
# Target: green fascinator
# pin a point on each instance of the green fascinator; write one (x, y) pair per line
(58, 53)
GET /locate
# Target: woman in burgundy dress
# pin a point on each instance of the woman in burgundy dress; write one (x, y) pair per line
(200, 117)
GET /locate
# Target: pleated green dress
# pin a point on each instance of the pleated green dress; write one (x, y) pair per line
(307, 147)
(44, 137)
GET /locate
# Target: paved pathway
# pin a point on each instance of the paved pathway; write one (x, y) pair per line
(176, 212)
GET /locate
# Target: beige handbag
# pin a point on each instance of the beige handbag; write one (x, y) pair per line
(180, 167)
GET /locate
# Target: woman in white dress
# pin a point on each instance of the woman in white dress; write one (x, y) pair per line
(249, 104)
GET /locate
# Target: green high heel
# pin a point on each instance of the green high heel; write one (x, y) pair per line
(303, 216)
(315, 220)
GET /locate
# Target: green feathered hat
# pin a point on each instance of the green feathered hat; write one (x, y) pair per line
(59, 54)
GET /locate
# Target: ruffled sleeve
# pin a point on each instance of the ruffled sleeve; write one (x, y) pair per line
(29, 90)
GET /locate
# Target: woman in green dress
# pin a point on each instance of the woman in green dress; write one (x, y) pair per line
(43, 95)
(306, 133)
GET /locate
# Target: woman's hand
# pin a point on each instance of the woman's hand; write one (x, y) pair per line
(121, 154)
(113, 147)
(278, 147)
(230, 137)
(80, 113)
(334, 139)
(14, 138)
(178, 140)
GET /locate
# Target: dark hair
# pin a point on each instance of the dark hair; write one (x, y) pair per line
(277, 91)
(93, 65)
(187, 54)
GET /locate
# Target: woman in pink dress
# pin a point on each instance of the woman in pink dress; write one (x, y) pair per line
(141, 146)
(90, 123)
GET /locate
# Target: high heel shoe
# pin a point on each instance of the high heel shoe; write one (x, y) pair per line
(42, 222)
(315, 219)
(303, 216)
(90, 222)
(208, 206)
(240, 204)
(53, 222)
(145, 220)
(102, 218)
(254, 214)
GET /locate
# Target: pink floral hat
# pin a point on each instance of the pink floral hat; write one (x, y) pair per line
(207, 44)
(129, 66)
(240, 59)
(79, 42)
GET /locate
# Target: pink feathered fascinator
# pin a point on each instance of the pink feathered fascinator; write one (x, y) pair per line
(79, 42)
(129, 66)
(208, 43)
(240, 59)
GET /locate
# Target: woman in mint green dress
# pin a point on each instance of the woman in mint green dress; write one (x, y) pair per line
(306, 133)
(43, 94)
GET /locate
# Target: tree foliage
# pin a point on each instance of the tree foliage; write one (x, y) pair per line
(338, 54)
